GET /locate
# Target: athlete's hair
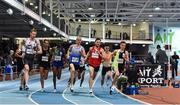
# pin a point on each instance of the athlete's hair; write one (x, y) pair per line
(33, 30)
(122, 42)
(97, 39)
(45, 40)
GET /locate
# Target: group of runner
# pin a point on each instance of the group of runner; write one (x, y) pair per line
(77, 57)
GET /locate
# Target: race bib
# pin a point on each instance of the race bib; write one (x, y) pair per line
(29, 51)
(120, 61)
(45, 58)
(75, 59)
(95, 55)
(57, 58)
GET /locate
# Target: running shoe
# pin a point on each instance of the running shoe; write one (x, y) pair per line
(42, 90)
(20, 88)
(111, 90)
(90, 91)
(54, 91)
(71, 89)
(26, 88)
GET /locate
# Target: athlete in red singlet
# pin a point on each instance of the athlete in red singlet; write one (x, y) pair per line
(94, 57)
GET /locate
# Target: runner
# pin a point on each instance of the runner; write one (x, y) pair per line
(107, 56)
(94, 57)
(32, 47)
(75, 53)
(81, 71)
(120, 57)
(45, 63)
(58, 58)
(20, 65)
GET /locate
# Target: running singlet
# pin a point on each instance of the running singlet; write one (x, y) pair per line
(107, 60)
(58, 54)
(95, 58)
(119, 58)
(31, 45)
(75, 55)
(45, 56)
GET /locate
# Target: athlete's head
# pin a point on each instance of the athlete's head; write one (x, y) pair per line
(33, 33)
(122, 45)
(46, 43)
(106, 48)
(97, 42)
(78, 40)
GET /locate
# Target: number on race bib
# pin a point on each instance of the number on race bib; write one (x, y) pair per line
(57, 58)
(29, 51)
(120, 61)
(95, 55)
(75, 59)
(45, 58)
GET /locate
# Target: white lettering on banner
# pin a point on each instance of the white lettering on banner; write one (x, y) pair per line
(143, 72)
(57, 58)
(151, 75)
(95, 55)
(45, 58)
(151, 80)
(75, 59)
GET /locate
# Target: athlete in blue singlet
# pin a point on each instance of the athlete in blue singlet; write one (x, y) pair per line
(58, 58)
(75, 53)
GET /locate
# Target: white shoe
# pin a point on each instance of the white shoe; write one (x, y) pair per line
(54, 91)
(42, 90)
(90, 91)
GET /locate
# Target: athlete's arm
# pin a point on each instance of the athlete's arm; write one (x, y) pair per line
(126, 56)
(83, 53)
(88, 54)
(39, 48)
(17, 53)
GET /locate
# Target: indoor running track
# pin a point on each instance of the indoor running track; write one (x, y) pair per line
(10, 94)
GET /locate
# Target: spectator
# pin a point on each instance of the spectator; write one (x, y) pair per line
(162, 59)
(175, 57)
(78, 30)
(109, 34)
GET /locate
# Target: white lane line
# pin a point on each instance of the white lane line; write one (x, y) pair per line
(63, 94)
(30, 95)
(97, 76)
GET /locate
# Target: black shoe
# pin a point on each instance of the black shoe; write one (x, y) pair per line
(58, 76)
(20, 88)
(26, 88)
(111, 90)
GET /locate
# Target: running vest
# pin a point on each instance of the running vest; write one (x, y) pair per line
(30, 46)
(107, 59)
(95, 58)
(119, 57)
(75, 55)
(45, 56)
(58, 55)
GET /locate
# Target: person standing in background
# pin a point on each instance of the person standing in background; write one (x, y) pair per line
(78, 30)
(161, 58)
(175, 57)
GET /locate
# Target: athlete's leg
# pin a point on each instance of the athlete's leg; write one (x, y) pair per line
(82, 77)
(42, 77)
(54, 76)
(26, 75)
(91, 79)
(72, 69)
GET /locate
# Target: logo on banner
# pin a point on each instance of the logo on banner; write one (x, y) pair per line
(151, 75)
